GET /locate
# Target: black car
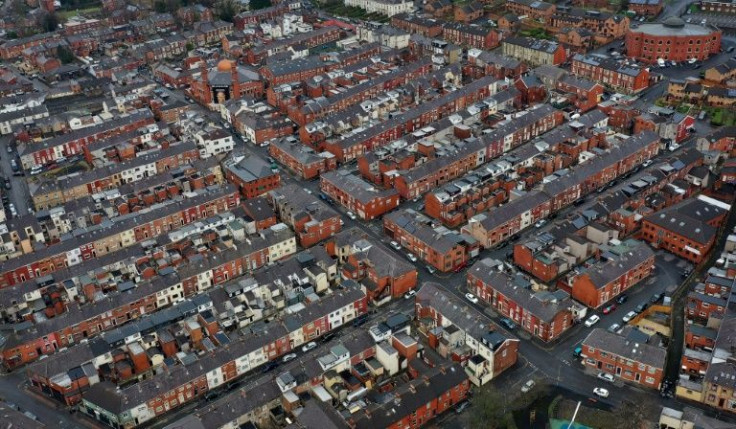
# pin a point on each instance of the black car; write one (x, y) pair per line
(622, 298)
(328, 337)
(641, 307)
(508, 323)
(270, 366)
(656, 297)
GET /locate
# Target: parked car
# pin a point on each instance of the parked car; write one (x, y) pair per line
(351, 215)
(592, 320)
(529, 385)
(622, 298)
(472, 298)
(290, 356)
(605, 376)
(603, 393)
(508, 323)
(410, 294)
(431, 269)
(309, 346)
(656, 297)
(614, 328)
(411, 257)
(641, 307)
(10, 148)
(395, 245)
(328, 336)
(647, 163)
(629, 316)
(540, 223)
(459, 408)
(609, 309)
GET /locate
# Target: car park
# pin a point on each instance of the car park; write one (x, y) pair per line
(592, 320)
(599, 391)
(309, 346)
(605, 377)
(629, 316)
(472, 298)
(508, 323)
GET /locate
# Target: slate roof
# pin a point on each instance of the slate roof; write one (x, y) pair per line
(688, 218)
(603, 274)
(543, 304)
(615, 344)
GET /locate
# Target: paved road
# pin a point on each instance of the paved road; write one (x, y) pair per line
(19, 194)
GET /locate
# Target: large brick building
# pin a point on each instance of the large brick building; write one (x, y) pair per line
(609, 72)
(629, 361)
(687, 229)
(544, 314)
(624, 267)
(357, 195)
(445, 252)
(252, 175)
(672, 40)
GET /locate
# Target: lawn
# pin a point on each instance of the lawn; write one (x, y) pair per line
(66, 14)
(340, 9)
(720, 116)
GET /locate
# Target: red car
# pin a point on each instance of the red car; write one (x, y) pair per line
(609, 309)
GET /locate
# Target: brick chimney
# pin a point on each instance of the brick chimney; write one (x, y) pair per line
(206, 92)
(236, 84)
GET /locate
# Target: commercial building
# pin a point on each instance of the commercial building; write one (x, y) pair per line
(672, 40)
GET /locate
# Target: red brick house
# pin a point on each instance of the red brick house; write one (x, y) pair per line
(302, 160)
(546, 315)
(260, 212)
(606, 279)
(369, 262)
(418, 404)
(470, 36)
(444, 252)
(533, 9)
(252, 175)
(646, 7)
(468, 12)
(357, 195)
(628, 361)
(311, 219)
(687, 229)
(462, 333)
(612, 74)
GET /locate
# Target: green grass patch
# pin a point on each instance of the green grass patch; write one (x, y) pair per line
(66, 14)
(537, 33)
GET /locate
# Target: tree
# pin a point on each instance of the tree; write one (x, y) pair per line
(259, 4)
(489, 410)
(11, 34)
(159, 6)
(66, 56)
(49, 22)
(635, 411)
(226, 10)
(190, 46)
